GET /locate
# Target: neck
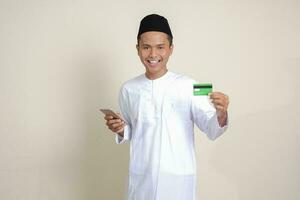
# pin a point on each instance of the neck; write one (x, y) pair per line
(156, 75)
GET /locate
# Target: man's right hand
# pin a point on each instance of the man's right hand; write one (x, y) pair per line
(115, 125)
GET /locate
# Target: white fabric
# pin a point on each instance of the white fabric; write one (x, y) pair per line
(160, 116)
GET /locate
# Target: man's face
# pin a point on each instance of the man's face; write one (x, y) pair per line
(154, 50)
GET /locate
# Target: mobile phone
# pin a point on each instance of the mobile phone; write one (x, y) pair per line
(112, 113)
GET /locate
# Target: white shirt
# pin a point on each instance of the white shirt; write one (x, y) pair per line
(160, 116)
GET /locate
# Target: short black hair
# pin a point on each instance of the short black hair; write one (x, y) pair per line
(170, 38)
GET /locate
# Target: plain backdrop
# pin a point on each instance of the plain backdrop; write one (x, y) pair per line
(62, 60)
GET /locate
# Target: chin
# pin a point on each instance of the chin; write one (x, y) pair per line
(154, 69)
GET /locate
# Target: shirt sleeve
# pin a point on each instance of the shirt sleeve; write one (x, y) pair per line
(205, 117)
(124, 109)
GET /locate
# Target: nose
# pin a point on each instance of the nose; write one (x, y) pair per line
(152, 52)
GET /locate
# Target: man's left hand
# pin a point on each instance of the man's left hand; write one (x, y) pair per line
(220, 102)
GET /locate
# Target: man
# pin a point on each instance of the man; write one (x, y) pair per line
(159, 112)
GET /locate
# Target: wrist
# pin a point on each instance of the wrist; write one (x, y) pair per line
(121, 134)
(222, 119)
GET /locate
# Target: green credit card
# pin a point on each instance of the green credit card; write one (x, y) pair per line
(202, 89)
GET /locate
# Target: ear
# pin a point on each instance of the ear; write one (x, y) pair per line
(171, 48)
(137, 48)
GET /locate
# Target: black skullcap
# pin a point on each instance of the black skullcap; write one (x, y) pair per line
(154, 22)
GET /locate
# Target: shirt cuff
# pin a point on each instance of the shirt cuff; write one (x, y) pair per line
(119, 139)
(215, 129)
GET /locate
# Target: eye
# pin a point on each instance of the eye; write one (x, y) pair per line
(160, 47)
(145, 47)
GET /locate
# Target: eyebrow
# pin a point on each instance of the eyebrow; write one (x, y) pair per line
(148, 45)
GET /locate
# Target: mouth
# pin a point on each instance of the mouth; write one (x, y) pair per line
(153, 62)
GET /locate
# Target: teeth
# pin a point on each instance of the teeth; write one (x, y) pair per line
(153, 61)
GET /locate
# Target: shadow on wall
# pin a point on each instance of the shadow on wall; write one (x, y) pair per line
(265, 163)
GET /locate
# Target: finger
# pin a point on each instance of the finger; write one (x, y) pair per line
(119, 115)
(112, 121)
(221, 109)
(214, 96)
(118, 129)
(226, 97)
(115, 125)
(108, 117)
(218, 95)
(220, 102)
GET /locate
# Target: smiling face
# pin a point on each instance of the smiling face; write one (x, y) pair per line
(154, 51)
